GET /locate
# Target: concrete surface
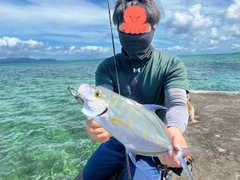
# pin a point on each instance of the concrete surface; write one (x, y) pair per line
(217, 133)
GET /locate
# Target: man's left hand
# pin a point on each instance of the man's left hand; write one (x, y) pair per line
(178, 142)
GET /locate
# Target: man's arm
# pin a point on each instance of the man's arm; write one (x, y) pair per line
(177, 117)
(176, 102)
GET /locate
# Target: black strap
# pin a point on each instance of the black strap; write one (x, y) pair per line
(132, 81)
(177, 171)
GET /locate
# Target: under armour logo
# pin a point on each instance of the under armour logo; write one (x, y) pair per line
(136, 70)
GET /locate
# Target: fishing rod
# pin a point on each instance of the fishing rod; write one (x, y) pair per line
(118, 84)
(113, 46)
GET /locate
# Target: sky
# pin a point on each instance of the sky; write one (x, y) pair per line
(80, 29)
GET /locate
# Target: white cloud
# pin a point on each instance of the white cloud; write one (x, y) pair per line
(233, 11)
(180, 22)
(214, 33)
(231, 23)
(189, 22)
(223, 38)
(71, 48)
(91, 50)
(213, 42)
(15, 47)
(210, 48)
(235, 46)
(177, 49)
(13, 42)
(199, 21)
(200, 28)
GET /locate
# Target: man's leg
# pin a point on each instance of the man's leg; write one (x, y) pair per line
(146, 169)
(105, 162)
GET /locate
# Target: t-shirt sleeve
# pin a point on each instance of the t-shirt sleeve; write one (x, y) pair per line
(103, 74)
(176, 76)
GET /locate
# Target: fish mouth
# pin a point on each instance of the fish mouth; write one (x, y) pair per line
(103, 112)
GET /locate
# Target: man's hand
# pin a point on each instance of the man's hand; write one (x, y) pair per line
(96, 132)
(178, 142)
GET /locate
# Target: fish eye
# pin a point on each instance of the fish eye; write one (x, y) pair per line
(98, 94)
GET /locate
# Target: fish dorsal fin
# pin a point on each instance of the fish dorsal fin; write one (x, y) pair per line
(153, 107)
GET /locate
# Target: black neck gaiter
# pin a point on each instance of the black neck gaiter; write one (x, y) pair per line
(136, 48)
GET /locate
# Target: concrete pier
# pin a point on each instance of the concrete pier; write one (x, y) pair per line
(217, 133)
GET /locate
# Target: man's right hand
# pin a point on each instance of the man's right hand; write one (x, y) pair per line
(96, 132)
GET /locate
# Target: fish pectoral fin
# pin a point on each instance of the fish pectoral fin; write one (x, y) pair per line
(153, 107)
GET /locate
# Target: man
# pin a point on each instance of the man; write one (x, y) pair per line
(161, 80)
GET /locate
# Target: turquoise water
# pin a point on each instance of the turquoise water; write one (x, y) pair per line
(41, 125)
(213, 72)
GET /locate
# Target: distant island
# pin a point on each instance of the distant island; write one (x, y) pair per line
(24, 60)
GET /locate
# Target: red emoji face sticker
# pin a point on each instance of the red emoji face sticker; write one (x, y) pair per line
(134, 20)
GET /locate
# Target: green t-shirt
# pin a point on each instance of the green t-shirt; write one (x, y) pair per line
(161, 72)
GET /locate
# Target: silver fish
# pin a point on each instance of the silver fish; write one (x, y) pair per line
(135, 125)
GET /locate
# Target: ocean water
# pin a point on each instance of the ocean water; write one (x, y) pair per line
(213, 72)
(41, 125)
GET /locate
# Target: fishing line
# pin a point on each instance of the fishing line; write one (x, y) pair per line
(118, 84)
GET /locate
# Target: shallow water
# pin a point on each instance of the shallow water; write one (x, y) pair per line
(42, 127)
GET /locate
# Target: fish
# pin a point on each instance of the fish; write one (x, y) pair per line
(135, 125)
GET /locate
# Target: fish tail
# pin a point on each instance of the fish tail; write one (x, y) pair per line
(184, 166)
(189, 151)
(183, 153)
